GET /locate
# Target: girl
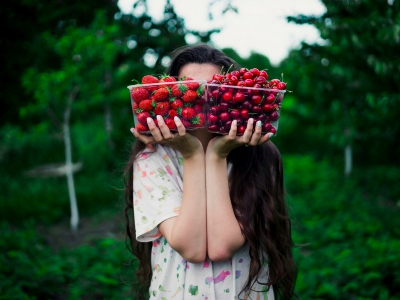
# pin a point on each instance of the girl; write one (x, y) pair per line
(210, 220)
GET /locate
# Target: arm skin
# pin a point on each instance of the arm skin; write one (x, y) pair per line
(186, 233)
(224, 236)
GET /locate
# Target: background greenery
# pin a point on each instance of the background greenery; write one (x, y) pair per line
(346, 96)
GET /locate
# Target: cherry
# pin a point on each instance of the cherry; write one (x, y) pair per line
(222, 129)
(273, 130)
(218, 77)
(248, 75)
(224, 116)
(271, 98)
(214, 110)
(256, 109)
(260, 80)
(223, 106)
(212, 118)
(262, 118)
(228, 125)
(256, 99)
(234, 114)
(244, 113)
(227, 96)
(240, 83)
(215, 94)
(255, 71)
(241, 129)
(264, 74)
(242, 71)
(274, 116)
(239, 96)
(247, 104)
(267, 107)
(266, 127)
(281, 86)
(249, 82)
(213, 127)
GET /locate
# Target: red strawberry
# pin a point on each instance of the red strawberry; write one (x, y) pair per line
(188, 113)
(186, 123)
(176, 104)
(142, 117)
(139, 94)
(190, 96)
(172, 113)
(170, 123)
(135, 106)
(161, 94)
(198, 120)
(198, 108)
(141, 128)
(191, 85)
(161, 108)
(178, 90)
(147, 79)
(146, 105)
(167, 78)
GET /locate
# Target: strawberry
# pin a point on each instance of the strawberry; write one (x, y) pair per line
(135, 106)
(167, 78)
(161, 94)
(198, 108)
(161, 108)
(190, 96)
(172, 113)
(186, 123)
(191, 85)
(141, 128)
(148, 79)
(142, 117)
(151, 80)
(188, 113)
(146, 105)
(176, 104)
(138, 94)
(198, 120)
(170, 123)
(178, 90)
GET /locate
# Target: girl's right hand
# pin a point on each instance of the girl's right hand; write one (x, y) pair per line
(185, 143)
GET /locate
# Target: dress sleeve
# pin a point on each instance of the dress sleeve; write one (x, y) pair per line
(157, 192)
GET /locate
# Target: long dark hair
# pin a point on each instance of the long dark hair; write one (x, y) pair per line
(260, 207)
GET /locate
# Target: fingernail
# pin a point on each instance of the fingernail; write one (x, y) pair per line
(258, 123)
(159, 118)
(176, 119)
(149, 120)
(132, 130)
(234, 122)
(251, 121)
(271, 135)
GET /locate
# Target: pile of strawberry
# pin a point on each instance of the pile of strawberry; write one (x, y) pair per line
(243, 94)
(168, 98)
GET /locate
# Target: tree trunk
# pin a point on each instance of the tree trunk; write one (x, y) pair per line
(348, 160)
(68, 162)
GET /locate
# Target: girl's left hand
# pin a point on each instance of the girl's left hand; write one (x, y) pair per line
(222, 145)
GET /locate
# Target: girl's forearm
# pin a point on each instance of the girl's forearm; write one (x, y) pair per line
(187, 233)
(224, 236)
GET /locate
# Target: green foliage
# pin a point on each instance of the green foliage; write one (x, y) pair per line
(30, 269)
(350, 82)
(348, 242)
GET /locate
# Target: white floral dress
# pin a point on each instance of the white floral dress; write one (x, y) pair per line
(158, 185)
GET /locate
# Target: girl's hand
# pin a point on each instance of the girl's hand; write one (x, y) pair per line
(222, 145)
(182, 141)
